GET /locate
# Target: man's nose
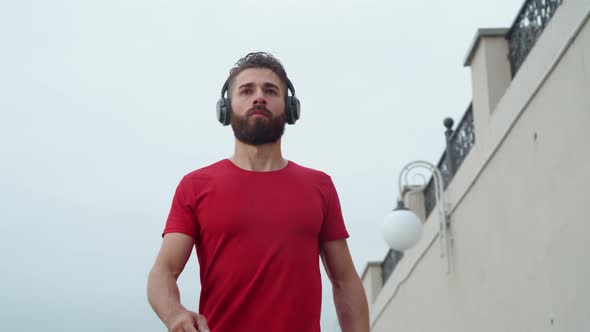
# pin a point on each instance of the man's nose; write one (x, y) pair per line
(259, 98)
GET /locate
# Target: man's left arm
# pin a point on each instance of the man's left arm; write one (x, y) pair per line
(349, 295)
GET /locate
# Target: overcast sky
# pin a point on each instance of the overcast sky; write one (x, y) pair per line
(105, 105)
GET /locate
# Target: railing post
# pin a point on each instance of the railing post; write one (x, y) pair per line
(451, 165)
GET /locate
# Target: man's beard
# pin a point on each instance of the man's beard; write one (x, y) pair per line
(258, 131)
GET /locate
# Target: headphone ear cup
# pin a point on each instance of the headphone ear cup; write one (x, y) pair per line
(223, 111)
(292, 109)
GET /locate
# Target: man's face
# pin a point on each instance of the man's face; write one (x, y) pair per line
(258, 106)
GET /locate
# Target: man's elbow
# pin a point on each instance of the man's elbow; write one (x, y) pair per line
(350, 280)
(163, 271)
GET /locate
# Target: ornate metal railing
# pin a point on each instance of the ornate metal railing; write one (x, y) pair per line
(526, 29)
(459, 143)
(462, 139)
(389, 263)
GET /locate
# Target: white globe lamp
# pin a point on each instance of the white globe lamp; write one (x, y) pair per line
(402, 228)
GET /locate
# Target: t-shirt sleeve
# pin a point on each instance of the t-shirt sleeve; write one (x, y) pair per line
(333, 227)
(182, 217)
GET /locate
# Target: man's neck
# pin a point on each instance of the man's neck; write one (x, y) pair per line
(261, 158)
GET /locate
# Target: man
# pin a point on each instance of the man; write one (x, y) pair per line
(259, 224)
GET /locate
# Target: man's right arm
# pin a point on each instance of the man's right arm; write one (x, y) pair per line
(162, 289)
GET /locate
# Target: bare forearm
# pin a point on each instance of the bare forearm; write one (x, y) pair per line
(351, 306)
(163, 294)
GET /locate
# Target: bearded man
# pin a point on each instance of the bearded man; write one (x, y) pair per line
(259, 224)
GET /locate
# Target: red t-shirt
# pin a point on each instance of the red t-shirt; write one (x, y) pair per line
(257, 236)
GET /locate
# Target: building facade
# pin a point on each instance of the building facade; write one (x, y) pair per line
(519, 196)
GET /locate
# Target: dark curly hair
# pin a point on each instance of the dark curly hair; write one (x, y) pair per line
(258, 60)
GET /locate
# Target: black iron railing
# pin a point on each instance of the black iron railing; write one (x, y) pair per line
(462, 139)
(389, 263)
(459, 143)
(528, 26)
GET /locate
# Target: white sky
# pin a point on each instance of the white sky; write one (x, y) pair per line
(105, 105)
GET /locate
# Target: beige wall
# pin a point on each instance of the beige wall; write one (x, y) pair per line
(519, 214)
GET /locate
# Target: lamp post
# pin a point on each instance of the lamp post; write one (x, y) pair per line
(402, 228)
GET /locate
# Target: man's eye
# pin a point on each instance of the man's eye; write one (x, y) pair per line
(246, 91)
(271, 92)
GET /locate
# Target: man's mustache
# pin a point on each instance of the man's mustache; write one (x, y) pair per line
(259, 109)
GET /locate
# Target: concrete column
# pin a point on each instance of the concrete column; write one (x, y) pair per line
(490, 77)
(414, 200)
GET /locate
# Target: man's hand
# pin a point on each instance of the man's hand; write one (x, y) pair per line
(187, 321)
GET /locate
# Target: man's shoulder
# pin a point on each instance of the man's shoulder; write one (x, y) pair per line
(209, 169)
(205, 173)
